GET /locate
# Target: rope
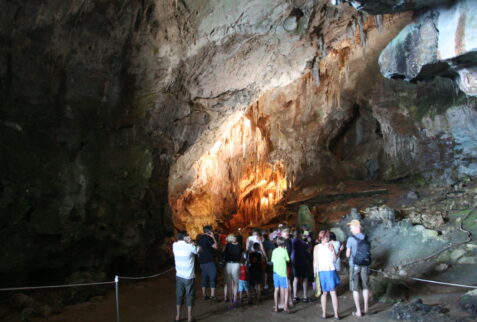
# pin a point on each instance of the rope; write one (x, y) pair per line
(430, 281)
(51, 286)
(145, 277)
(82, 284)
(443, 283)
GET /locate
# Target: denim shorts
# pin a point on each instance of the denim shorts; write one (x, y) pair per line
(280, 281)
(243, 286)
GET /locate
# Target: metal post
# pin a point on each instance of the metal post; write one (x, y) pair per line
(116, 283)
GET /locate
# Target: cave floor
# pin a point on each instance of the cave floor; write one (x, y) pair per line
(154, 300)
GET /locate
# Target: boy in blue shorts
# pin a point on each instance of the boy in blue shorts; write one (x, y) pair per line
(279, 259)
(243, 280)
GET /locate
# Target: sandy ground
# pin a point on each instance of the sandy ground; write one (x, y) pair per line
(154, 300)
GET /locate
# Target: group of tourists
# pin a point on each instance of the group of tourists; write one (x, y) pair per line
(287, 258)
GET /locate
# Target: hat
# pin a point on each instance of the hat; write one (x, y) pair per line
(354, 222)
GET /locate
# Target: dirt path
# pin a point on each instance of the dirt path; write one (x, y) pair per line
(154, 300)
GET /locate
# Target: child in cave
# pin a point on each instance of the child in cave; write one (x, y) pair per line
(243, 280)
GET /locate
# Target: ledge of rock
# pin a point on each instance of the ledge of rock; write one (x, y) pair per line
(441, 42)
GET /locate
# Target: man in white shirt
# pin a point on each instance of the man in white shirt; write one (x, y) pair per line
(184, 256)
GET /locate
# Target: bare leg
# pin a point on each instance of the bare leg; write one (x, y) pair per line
(289, 293)
(323, 304)
(356, 303)
(259, 292)
(286, 299)
(334, 300)
(178, 312)
(189, 313)
(295, 286)
(305, 288)
(226, 296)
(234, 290)
(212, 291)
(275, 297)
(365, 298)
(203, 292)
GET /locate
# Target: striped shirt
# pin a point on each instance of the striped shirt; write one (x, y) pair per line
(184, 258)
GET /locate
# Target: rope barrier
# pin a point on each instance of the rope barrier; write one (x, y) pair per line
(52, 286)
(430, 281)
(115, 282)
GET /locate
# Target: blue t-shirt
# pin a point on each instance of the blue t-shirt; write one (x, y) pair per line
(353, 245)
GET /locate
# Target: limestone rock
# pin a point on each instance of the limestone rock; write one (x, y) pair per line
(381, 213)
(440, 42)
(468, 302)
(389, 6)
(418, 311)
(441, 267)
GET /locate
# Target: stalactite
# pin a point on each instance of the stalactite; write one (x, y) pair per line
(379, 22)
(362, 33)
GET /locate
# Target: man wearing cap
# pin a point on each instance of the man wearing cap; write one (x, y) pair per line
(357, 274)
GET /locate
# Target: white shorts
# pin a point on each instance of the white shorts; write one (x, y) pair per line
(232, 272)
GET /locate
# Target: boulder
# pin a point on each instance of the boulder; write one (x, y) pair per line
(468, 302)
(387, 290)
(418, 311)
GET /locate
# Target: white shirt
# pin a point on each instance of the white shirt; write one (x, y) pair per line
(324, 257)
(336, 245)
(250, 241)
(184, 259)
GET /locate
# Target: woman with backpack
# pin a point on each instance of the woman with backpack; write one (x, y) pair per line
(324, 257)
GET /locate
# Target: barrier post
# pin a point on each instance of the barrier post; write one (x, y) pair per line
(116, 284)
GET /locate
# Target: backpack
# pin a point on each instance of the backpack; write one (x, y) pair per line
(363, 252)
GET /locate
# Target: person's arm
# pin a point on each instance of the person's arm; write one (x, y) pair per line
(315, 260)
(333, 253)
(348, 248)
(263, 250)
(214, 245)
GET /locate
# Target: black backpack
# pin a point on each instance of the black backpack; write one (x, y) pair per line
(363, 252)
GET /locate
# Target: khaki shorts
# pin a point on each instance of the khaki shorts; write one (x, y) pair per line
(358, 277)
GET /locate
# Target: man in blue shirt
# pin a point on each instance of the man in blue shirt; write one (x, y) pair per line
(357, 274)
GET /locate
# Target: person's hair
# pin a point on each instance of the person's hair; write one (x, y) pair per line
(256, 246)
(280, 241)
(181, 235)
(207, 228)
(266, 237)
(332, 236)
(324, 234)
(231, 238)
